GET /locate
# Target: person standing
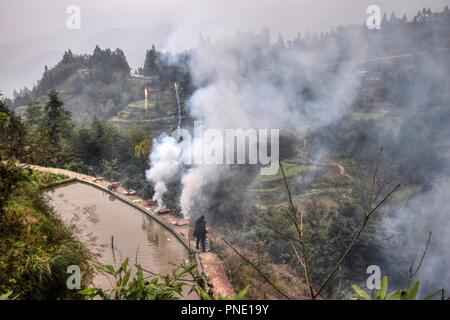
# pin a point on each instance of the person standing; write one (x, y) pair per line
(200, 233)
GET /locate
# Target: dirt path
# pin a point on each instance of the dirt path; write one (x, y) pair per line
(210, 264)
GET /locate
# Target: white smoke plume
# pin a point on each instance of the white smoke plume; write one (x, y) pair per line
(192, 183)
(249, 82)
(165, 164)
(235, 92)
(301, 91)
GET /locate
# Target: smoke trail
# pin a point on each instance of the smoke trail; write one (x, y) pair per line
(145, 99)
(178, 104)
(165, 163)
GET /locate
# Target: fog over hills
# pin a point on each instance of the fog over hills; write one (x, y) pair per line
(43, 38)
(22, 63)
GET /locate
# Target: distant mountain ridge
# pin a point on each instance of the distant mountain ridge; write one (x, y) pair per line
(22, 62)
(101, 85)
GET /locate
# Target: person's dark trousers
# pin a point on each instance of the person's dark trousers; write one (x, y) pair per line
(202, 241)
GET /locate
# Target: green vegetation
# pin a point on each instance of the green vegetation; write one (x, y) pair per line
(140, 104)
(94, 84)
(151, 67)
(100, 84)
(7, 296)
(97, 148)
(329, 230)
(411, 293)
(44, 180)
(292, 170)
(139, 287)
(36, 248)
(183, 279)
(314, 242)
(204, 295)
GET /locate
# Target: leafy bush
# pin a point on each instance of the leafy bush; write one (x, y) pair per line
(36, 248)
(401, 294)
(155, 287)
(204, 295)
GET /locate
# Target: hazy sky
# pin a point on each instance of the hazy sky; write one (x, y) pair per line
(33, 33)
(23, 19)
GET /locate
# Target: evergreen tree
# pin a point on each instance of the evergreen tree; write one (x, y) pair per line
(97, 142)
(12, 134)
(68, 57)
(120, 62)
(56, 117)
(33, 115)
(150, 65)
(12, 150)
(99, 58)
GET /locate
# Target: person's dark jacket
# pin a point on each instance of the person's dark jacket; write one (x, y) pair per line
(200, 228)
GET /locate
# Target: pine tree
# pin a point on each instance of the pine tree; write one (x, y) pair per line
(56, 117)
(150, 64)
(98, 57)
(68, 57)
(12, 150)
(33, 115)
(120, 62)
(12, 133)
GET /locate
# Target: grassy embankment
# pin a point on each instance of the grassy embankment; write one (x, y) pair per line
(36, 248)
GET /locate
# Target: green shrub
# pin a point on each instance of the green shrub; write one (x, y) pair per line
(411, 293)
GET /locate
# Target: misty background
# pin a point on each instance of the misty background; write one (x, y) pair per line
(34, 34)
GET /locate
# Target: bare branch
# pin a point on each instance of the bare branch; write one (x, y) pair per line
(284, 235)
(297, 255)
(299, 230)
(257, 270)
(374, 182)
(412, 274)
(354, 241)
(287, 188)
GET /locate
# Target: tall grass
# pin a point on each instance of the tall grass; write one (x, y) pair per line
(36, 248)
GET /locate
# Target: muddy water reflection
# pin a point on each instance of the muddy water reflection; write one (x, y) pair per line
(97, 217)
